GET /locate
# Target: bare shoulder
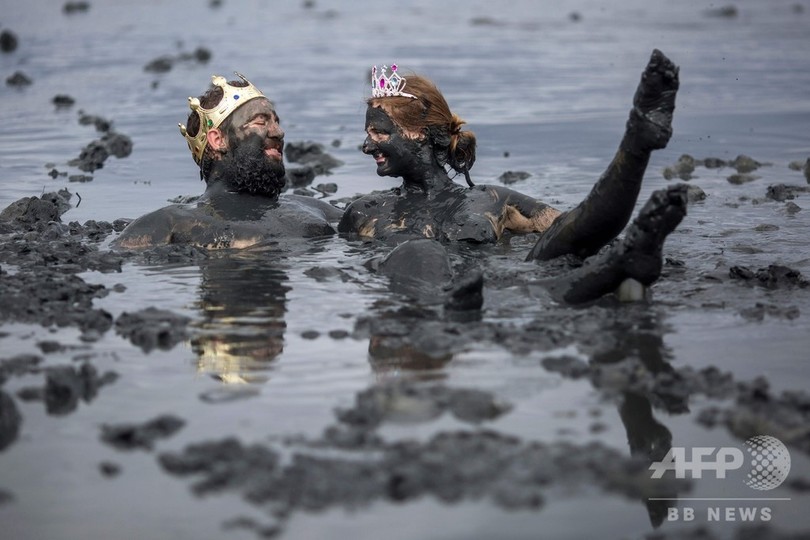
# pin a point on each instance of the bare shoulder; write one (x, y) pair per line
(156, 228)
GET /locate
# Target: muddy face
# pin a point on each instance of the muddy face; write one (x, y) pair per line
(395, 154)
(253, 163)
(258, 117)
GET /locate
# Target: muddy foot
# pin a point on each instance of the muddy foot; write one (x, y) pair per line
(641, 247)
(654, 103)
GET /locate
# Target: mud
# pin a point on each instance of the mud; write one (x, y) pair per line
(351, 466)
(70, 8)
(804, 167)
(314, 161)
(63, 101)
(153, 328)
(93, 156)
(8, 41)
(19, 80)
(687, 165)
(163, 64)
(513, 177)
(141, 436)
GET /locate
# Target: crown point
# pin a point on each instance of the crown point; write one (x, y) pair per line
(387, 85)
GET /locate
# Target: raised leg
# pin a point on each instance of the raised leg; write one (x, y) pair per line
(606, 210)
(638, 255)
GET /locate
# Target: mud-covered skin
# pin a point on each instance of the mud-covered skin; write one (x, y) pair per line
(454, 213)
(429, 204)
(603, 214)
(637, 256)
(222, 219)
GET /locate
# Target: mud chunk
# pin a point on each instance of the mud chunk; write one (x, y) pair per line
(132, 436)
(714, 163)
(8, 41)
(66, 385)
(299, 176)
(742, 178)
(109, 469)
(75, 7)
(695, 194)
(804, 167)
(30, 211)
(745, 164)
(152, 328)
(20, 364)
(102, 125)
(63, 101)
(512, 177)
(782, 192)
(327, 189)
(792, 208)
(311, 154)
(725, 12)
(92, 157)
(18, 79)
(165, 63)
(682, 169)
(773, 277)
(117, 144)
(161, 64)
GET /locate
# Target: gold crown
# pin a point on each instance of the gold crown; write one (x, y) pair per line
(233, 97)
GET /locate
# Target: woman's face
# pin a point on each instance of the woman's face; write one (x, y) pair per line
(396, 154)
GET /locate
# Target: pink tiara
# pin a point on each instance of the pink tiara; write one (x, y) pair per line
(387, 85)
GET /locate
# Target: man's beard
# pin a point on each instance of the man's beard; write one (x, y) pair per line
(247, 169)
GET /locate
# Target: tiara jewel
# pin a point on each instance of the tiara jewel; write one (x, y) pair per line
(233, 97)
(387, 85)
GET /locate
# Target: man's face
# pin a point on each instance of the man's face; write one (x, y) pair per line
(395, 153)
(258, 117)
(253, 163)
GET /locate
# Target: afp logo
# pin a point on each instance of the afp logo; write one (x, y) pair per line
(768, 459)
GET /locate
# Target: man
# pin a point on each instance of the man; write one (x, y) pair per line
(235, 138)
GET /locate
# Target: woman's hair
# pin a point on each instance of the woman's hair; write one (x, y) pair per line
(430, 115)
(209, 100)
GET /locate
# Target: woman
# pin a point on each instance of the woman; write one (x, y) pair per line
(412, 134)
(416, 138)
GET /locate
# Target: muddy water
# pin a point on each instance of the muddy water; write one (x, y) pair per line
(277, 341)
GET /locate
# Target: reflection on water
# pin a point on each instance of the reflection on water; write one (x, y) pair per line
(242, 300)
